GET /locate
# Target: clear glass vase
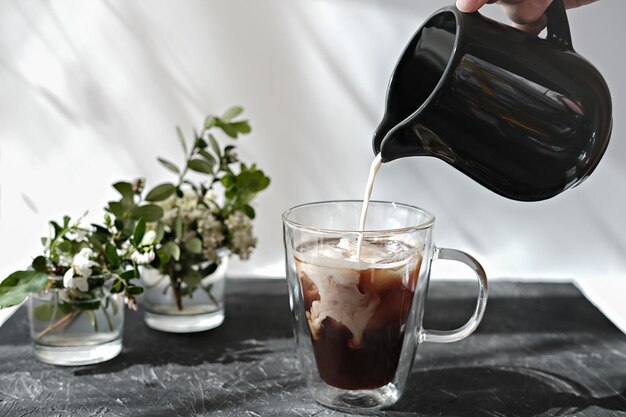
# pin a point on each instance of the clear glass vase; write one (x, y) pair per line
(180, 308)
(71, 332)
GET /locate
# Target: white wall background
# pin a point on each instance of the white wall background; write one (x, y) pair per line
(92, 90)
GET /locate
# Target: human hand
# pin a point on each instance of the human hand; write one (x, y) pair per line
(527, 15)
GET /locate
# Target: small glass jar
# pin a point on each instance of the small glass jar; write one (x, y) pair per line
(186, 309)
(76, 330)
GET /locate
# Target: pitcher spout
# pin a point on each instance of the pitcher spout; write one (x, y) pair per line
(410, 139)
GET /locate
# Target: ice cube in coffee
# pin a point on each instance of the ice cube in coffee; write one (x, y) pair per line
(357, 308)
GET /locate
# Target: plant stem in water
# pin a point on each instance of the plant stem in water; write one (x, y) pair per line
(93, 319)
(211, 296)
(176, 283)
(106, 316)
(68, 319)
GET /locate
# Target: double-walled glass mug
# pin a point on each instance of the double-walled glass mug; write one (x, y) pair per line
(358, 298)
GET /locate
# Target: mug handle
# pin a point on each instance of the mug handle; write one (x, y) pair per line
(448, 336)
(558, 25)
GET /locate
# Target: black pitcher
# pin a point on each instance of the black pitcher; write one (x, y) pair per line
(524, 116)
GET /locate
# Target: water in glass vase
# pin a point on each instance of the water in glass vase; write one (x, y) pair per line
(177, 307)
(75, 332)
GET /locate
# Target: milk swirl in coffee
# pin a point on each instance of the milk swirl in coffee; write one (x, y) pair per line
(358, 294)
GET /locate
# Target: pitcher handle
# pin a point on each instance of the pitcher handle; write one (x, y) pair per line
(558, 25)
(447, 336)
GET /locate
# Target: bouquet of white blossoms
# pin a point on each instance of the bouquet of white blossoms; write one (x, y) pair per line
(195, 223)
(82, 264)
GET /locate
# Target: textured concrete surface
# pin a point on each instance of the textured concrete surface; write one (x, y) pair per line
(542, 350)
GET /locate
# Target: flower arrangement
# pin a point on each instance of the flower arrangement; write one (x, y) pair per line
(176, 227)
(82, 264)
(184, 229)
(194, 221)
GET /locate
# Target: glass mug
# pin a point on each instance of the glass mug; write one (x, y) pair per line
(358, 298)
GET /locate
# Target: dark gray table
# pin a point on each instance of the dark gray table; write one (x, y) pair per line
(542, 350)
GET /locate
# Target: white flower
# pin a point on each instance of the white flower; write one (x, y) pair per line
(65, 259)
(77, 234)
(188, 202)
(209, 198)
(212, 234)
(169, 216)
(142, 258)
(242, 241)
(81, 264)
(71, 281)
(148, 238)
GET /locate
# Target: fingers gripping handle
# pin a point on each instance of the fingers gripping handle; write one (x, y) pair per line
(558, 25)
(447, 336)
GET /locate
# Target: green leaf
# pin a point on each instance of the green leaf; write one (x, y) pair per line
(163, 256)
(111, 254)
(241, 127)
(194, 245)
(97, 245)
(249, 211)
(161, 192)
(201, 143)
(192, 278)
(88, 305)
(228, 180)
(56, 227)
(134, 290)
(125, 189)
(102, 233)
(160, 231)
(40, 264)
(117, 287)
(128, 275)
(181, 138)
(16, 287)
(209, 122)
(179, 227)
(169, 165)
(140, 230)
(119, 224)
(200, 165)
(232, 113)
(215, 146)
(149, 212)
(65, 246)
(259, 182)
(172, 249)
(209, 158)
(229, 130)
(234, 129)
(230, 154)
(212, 267)
(116, 208)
